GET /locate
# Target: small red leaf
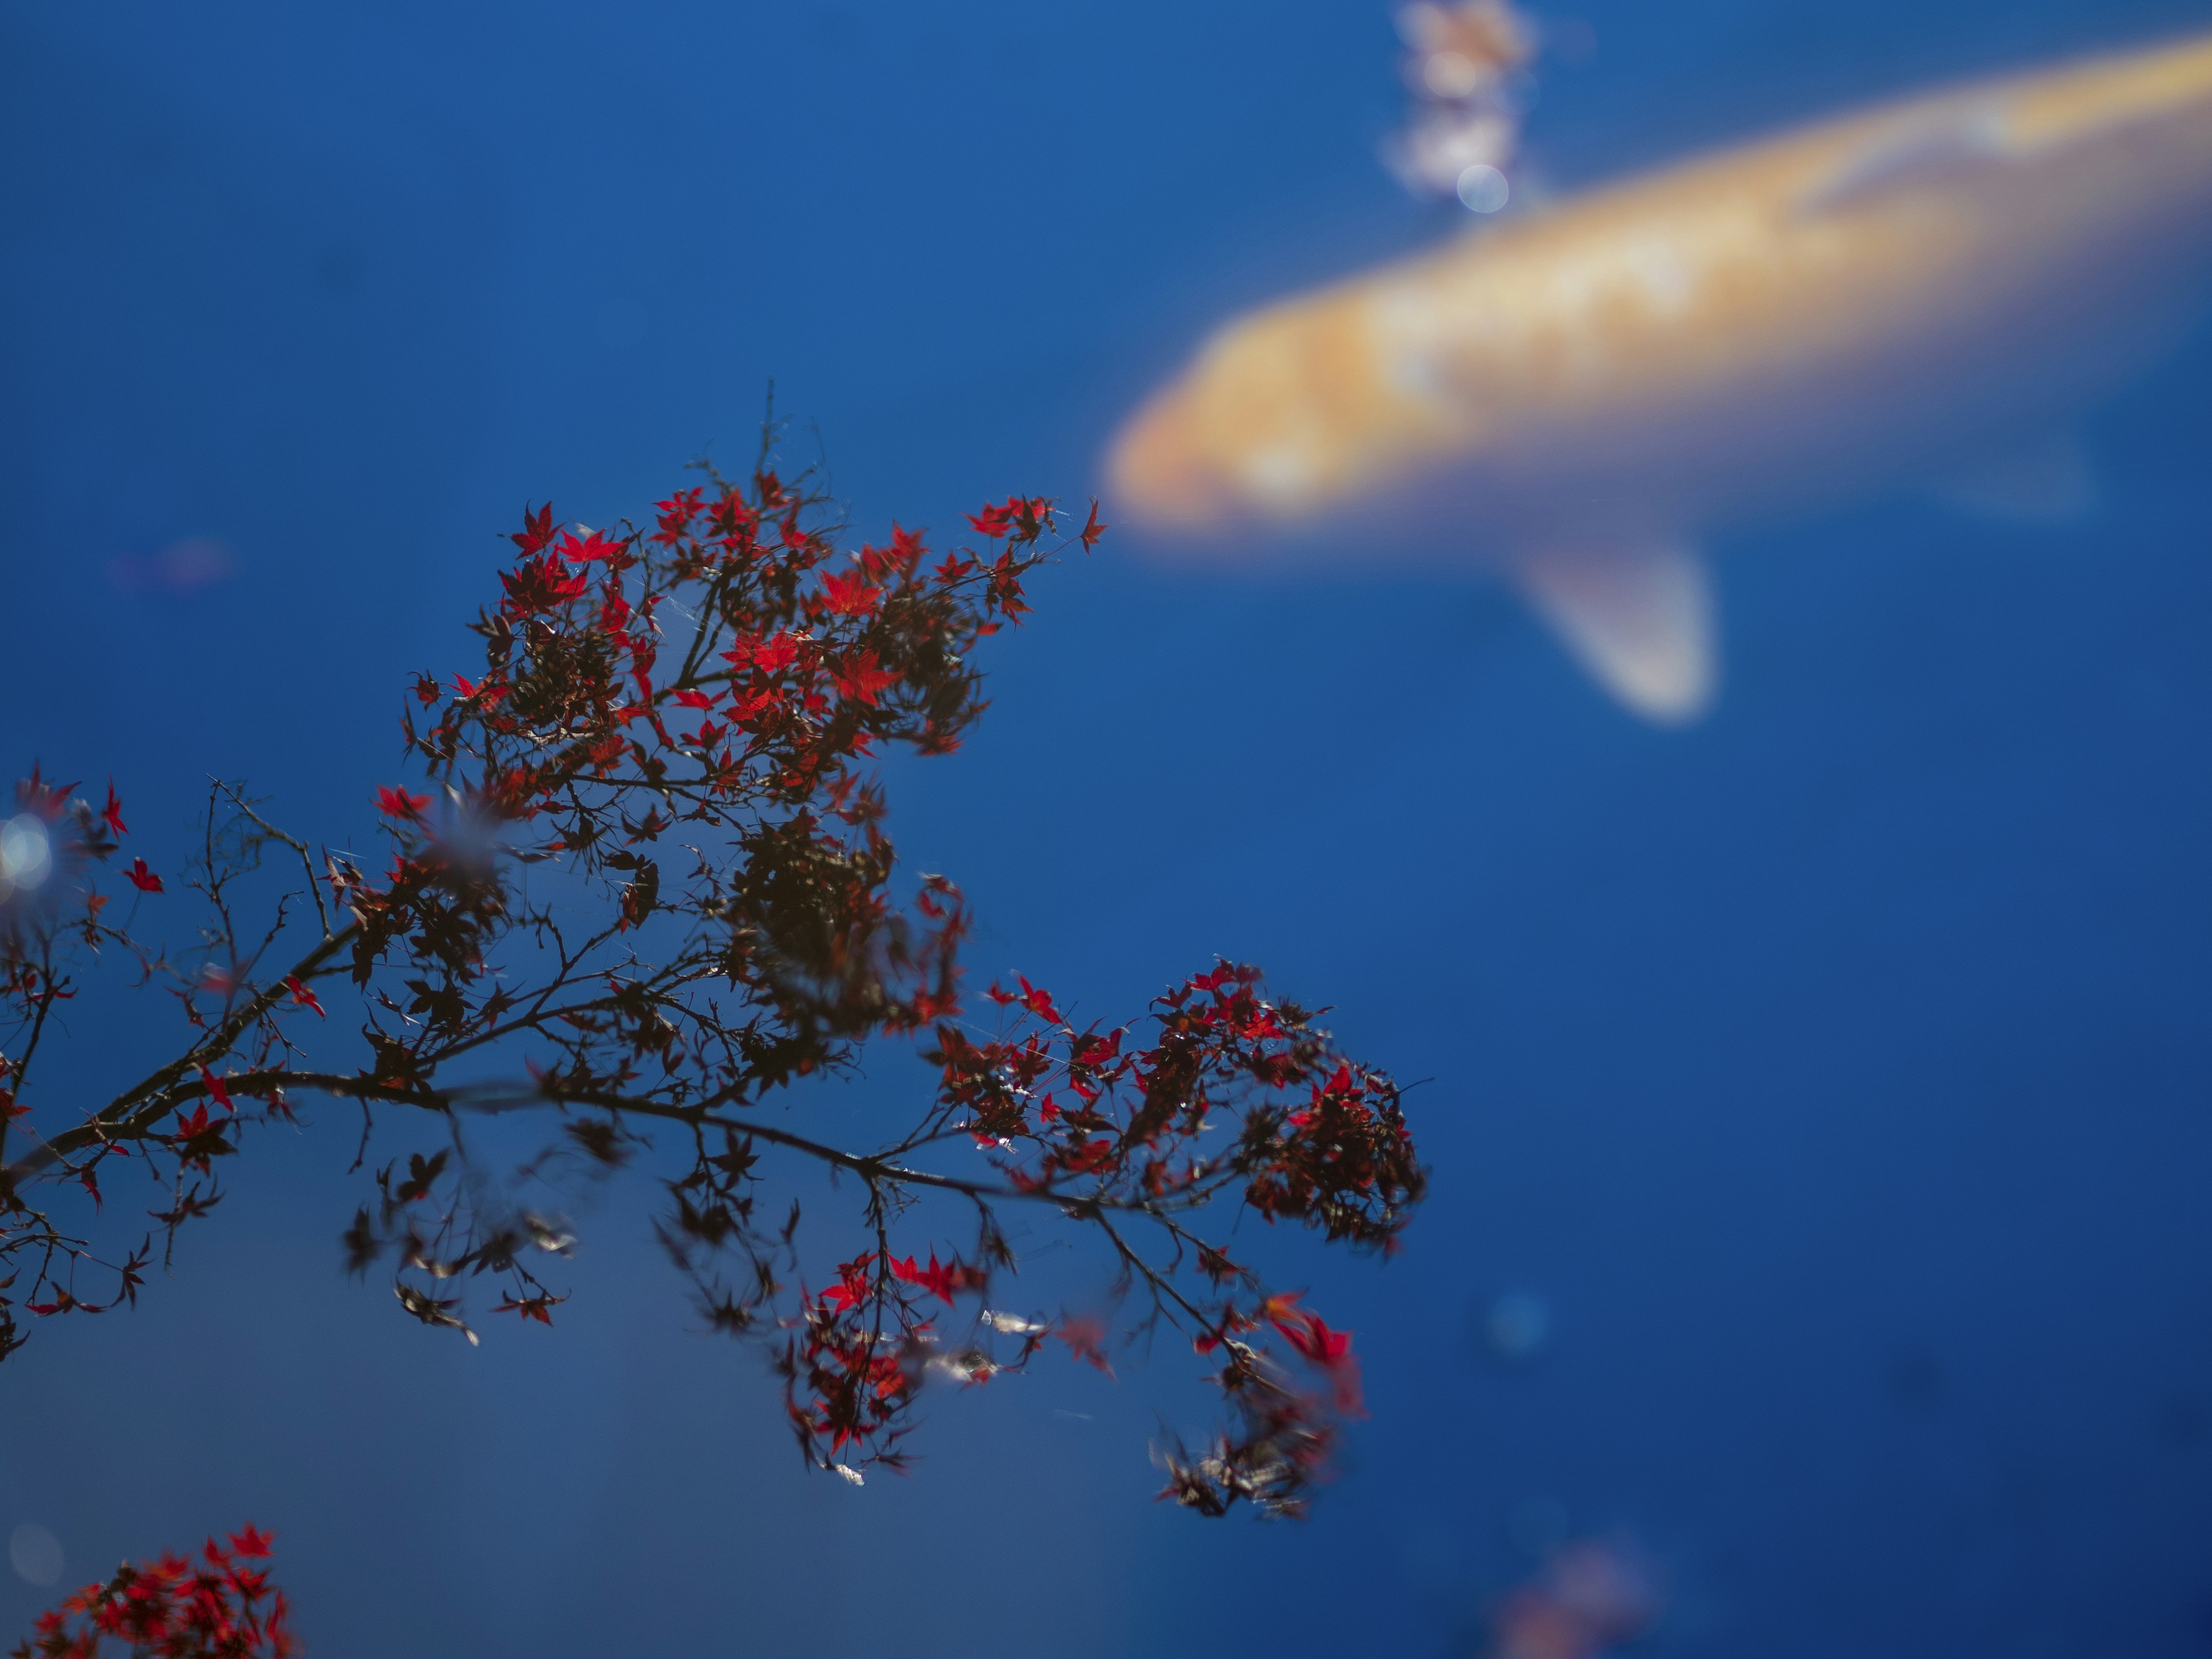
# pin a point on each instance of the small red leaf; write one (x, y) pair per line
(399, 804)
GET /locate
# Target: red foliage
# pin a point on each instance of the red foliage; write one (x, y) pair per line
(644, 884)
(176, 1607)
(399, 804)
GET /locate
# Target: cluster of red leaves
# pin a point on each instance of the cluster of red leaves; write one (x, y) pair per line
(1084, 1114)
(176, 1607)
(1108, 1129)
(1305, 1135)
(859, 1350)
(794, 664)
(590, 723)
(646, 870)
(716, 682)
(48, 904)
(845, 1382)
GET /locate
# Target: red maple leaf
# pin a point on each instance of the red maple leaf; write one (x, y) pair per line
(537, 584)
(112, 813)
(251, 1544)
(852, 1286)
(1311, 1337)
(1087, 1156)
(1092, 529)
(303, 996)
(1037, 1000)
(734, 520)
(849, 595)
(941, 1280)
(399, 804)
(861, 680)
(769, 656)
(594, 546)
(1320, 1345)
(532, 1307)
(218, 1091)
(1085, 1336)
(1023, 517)
(675, 516)
(140, 878)
(535, 532)
(48, 800)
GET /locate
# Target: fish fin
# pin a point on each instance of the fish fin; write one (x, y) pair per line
(1639, 616)
(1914, 156)
(2044, 479)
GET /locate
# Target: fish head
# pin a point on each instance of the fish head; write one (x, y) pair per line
(1285, 418)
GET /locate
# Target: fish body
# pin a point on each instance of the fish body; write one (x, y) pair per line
(1928, 289)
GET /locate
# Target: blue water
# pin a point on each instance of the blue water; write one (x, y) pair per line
(1835, 1073)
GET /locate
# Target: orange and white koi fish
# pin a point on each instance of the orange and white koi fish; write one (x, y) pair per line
(1931, 289)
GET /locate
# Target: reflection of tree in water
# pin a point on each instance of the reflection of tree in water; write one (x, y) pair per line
(1466, 66)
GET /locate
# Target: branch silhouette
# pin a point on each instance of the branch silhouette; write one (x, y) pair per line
(640, 885)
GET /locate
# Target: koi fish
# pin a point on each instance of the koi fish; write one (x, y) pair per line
(1931, 291)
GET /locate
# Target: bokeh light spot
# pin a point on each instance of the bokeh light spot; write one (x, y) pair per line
(1451, 75)
(1483, 189)
(1519, 1324)
(35, 1554)
(25, 854)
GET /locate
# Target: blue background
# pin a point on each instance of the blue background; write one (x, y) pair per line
(1836, 1070)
